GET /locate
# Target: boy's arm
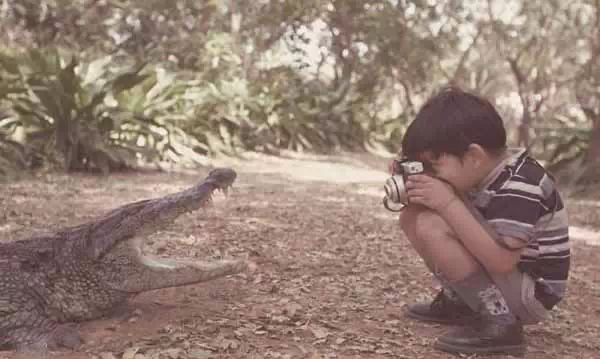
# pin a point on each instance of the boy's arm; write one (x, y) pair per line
(481, 240)
(497, 253)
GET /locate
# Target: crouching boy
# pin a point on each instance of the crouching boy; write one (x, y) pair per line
(488, 221)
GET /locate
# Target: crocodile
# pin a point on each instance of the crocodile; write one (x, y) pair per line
(50, 282)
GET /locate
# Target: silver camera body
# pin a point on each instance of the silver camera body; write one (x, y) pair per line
(395, 189)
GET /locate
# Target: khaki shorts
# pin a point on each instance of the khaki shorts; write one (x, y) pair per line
(518, 289)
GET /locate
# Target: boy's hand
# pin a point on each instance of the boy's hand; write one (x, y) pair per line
(430, 192)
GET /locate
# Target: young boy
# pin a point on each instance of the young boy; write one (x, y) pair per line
(488, 222)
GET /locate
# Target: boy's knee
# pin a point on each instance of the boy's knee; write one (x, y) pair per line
(425, 224)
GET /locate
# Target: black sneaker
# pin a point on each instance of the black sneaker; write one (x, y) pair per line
(485, 337)
(442, 310)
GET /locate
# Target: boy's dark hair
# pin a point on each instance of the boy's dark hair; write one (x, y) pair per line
(452, 120)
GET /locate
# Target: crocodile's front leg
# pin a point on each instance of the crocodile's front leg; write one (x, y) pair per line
(40, 301)
(42, 339)
(26, 326)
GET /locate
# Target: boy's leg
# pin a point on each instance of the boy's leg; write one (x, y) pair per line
(518, 289)
(447, 307)
(499, 331)
(427, 232)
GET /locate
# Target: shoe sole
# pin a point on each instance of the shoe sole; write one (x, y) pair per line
(514, 350)
(416, 316)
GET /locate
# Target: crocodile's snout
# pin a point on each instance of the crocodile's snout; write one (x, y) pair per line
(222, 177)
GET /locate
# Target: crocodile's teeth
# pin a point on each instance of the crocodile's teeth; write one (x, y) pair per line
(207, 201)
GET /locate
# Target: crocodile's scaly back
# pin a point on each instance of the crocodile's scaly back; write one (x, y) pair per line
(83, 272)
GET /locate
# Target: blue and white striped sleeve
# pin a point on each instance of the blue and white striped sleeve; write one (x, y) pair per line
(515, 209)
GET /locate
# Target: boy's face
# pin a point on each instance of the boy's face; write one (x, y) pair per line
(462, 174)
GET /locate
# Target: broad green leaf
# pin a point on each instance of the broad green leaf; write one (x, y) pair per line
(6, 90)
(96, 70)
(163, 81)
(50, 101)
(9, 63)
(44, 63)
(129, 79)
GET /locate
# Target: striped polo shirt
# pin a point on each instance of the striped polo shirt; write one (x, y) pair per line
(519, 199)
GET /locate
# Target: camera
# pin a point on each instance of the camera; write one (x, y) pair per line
(395, 189)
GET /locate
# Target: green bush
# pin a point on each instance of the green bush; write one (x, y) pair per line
(70, 113)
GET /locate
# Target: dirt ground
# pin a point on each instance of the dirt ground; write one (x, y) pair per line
(334, 272)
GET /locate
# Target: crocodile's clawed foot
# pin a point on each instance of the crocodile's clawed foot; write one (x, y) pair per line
(65, 336)
(37, 345)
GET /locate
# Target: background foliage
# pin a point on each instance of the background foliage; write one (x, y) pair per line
(104, 84)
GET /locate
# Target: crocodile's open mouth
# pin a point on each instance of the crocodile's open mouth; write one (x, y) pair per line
(154, 261)
(209, 199)
(138, 269)
(225, 191)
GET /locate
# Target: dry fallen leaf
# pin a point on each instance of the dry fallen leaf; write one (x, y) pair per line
(291, 309)
(130, 353)
(107, 355)
(200, 354)
(319, 332)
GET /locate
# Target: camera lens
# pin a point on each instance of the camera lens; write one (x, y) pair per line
(387, 189)
(393, 187)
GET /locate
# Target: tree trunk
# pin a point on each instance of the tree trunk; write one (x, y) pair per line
(591, 171)
(524, 138)
(592, 155)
